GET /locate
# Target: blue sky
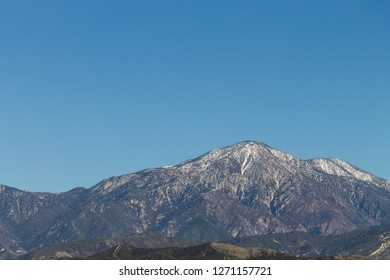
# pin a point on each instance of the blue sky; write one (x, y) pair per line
(93, 89)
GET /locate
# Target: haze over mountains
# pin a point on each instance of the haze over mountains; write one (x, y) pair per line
(246, 189)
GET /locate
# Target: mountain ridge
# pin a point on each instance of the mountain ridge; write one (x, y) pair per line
(207, 251)
(371, 243)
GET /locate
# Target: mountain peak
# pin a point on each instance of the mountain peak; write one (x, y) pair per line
(245, 148)
(242, 157)
(249, 145)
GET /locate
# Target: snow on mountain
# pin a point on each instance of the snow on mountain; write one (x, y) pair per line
(244, 189)
(338, 167)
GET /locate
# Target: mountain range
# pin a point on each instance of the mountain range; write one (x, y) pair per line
(246, 189)
(207, 251)
(371, 243)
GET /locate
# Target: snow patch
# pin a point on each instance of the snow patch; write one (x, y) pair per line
(246, 163)
(342, 168)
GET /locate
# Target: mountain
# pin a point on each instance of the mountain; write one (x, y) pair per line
(241, 190)
(371, 243)
(208, 251)
(84, 248)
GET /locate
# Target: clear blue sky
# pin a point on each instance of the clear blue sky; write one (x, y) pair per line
(93, 89)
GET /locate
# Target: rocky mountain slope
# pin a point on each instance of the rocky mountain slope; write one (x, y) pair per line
(245, 189)
(372, 243)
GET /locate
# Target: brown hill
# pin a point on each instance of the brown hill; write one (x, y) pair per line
(208, 251)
